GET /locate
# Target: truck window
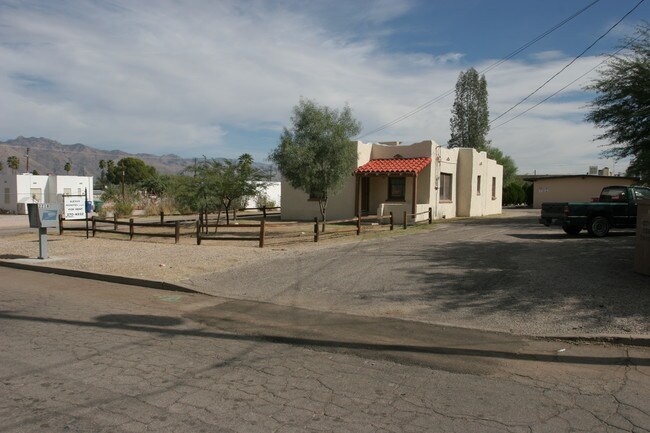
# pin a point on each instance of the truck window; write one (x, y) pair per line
(642, 193)
(613, 195)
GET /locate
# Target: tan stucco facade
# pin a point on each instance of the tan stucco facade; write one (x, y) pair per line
(444, 163)
(581, 188)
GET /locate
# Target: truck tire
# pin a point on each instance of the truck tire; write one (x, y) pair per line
(571, 229)
(598, 226)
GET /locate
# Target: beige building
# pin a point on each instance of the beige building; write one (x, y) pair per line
(579, 188)
(395, 178)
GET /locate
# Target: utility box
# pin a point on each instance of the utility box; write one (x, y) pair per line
(43, 215)
(642, 250)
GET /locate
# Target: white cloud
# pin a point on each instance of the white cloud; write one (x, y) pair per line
(163, 77)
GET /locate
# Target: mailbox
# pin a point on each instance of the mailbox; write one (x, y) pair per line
(43, 215)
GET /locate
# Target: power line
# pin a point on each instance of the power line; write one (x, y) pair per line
(572, 82)
(492, 66)
(567, 65)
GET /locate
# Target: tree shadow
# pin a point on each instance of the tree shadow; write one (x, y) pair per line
(590, 280)
(12, 256)
(139, 319)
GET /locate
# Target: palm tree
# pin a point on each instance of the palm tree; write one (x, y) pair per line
(67, 167)
(13, 163)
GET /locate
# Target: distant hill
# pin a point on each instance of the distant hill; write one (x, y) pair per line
(49, 156)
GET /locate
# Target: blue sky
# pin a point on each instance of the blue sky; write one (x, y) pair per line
(219, 78)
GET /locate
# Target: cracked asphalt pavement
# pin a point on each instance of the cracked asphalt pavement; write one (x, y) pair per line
(89, 356)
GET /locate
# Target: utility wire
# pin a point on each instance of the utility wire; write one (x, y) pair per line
(489, 68)
(567, 65)
(571, 83)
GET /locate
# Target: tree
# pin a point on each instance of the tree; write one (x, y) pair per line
(67, 167)
(622, 104)
(102, 173)
(13, 163)
(237, 180)
(470, 115)
(317, 155)
(129, 171)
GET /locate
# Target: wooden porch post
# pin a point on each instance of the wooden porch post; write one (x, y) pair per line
(357, 185)
(415, 195)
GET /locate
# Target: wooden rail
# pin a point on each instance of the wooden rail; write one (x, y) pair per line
(413, 216)
(357, 220)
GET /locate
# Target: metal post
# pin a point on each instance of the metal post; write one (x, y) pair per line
(42, 243)
(94, 225)
(86, 209)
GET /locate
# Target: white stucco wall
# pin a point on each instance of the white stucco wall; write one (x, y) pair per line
(28, 188)
(273, 192)
(472, 200)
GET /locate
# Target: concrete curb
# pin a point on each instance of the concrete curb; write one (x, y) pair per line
(140, 282)
(623, 340)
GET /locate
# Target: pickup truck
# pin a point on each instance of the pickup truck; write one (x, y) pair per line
(616, 207)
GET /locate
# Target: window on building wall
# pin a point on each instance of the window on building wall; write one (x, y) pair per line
(7, 195)
(67, 191)
(396, 188)
(478, 185)
(445, 186)
(36, 194)
(494, 187)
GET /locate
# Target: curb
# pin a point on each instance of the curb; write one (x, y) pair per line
(623, 340)
(140, 282)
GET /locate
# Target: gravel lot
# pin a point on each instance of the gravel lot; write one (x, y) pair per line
(504, 273)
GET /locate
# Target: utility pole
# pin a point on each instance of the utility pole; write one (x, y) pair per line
(27, 169)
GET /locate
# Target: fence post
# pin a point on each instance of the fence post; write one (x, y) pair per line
(264, 211)
(94, 224)
(130, 229)
(358, 225)
(316, 231)
(114, 222)
(391, 220)
(198, 232)
(60, 224)
(404, 220)
(162, 217)
(430, 215)
(177, 231)
(262, 233)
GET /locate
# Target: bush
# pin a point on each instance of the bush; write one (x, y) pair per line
(513, 194)
(122, 209)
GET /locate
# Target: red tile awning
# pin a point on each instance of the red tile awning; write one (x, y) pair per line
(394, 166)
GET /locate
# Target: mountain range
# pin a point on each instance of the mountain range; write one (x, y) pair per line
(48, 156)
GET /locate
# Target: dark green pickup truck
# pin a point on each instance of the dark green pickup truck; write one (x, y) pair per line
(616, 207)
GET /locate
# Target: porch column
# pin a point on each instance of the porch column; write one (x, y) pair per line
(415, 194)
(357, 185)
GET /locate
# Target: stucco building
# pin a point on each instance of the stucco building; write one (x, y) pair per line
(580, 188)
(395, 178)
(19, 189)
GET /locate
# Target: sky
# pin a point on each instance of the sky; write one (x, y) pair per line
(220, 78)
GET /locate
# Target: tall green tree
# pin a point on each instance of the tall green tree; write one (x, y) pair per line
(470, 114)
(67, 167)
(130, 171)
(622, 104)
(316, 153)
(13, 163)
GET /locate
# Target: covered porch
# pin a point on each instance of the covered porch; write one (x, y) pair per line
(395, 185)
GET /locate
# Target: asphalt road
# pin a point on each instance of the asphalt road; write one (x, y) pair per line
(89, 356)
(506, 274)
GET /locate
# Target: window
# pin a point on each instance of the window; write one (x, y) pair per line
(494, 188)
(67, 191)
(7, 194)
(445, 186)
(36, 194)
(478, 185)
(396, 188)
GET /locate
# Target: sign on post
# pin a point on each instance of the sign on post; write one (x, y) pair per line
(74, 207)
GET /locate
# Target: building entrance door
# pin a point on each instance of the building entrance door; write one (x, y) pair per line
(365, 196)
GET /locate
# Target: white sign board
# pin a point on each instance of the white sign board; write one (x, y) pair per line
(74, 207)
